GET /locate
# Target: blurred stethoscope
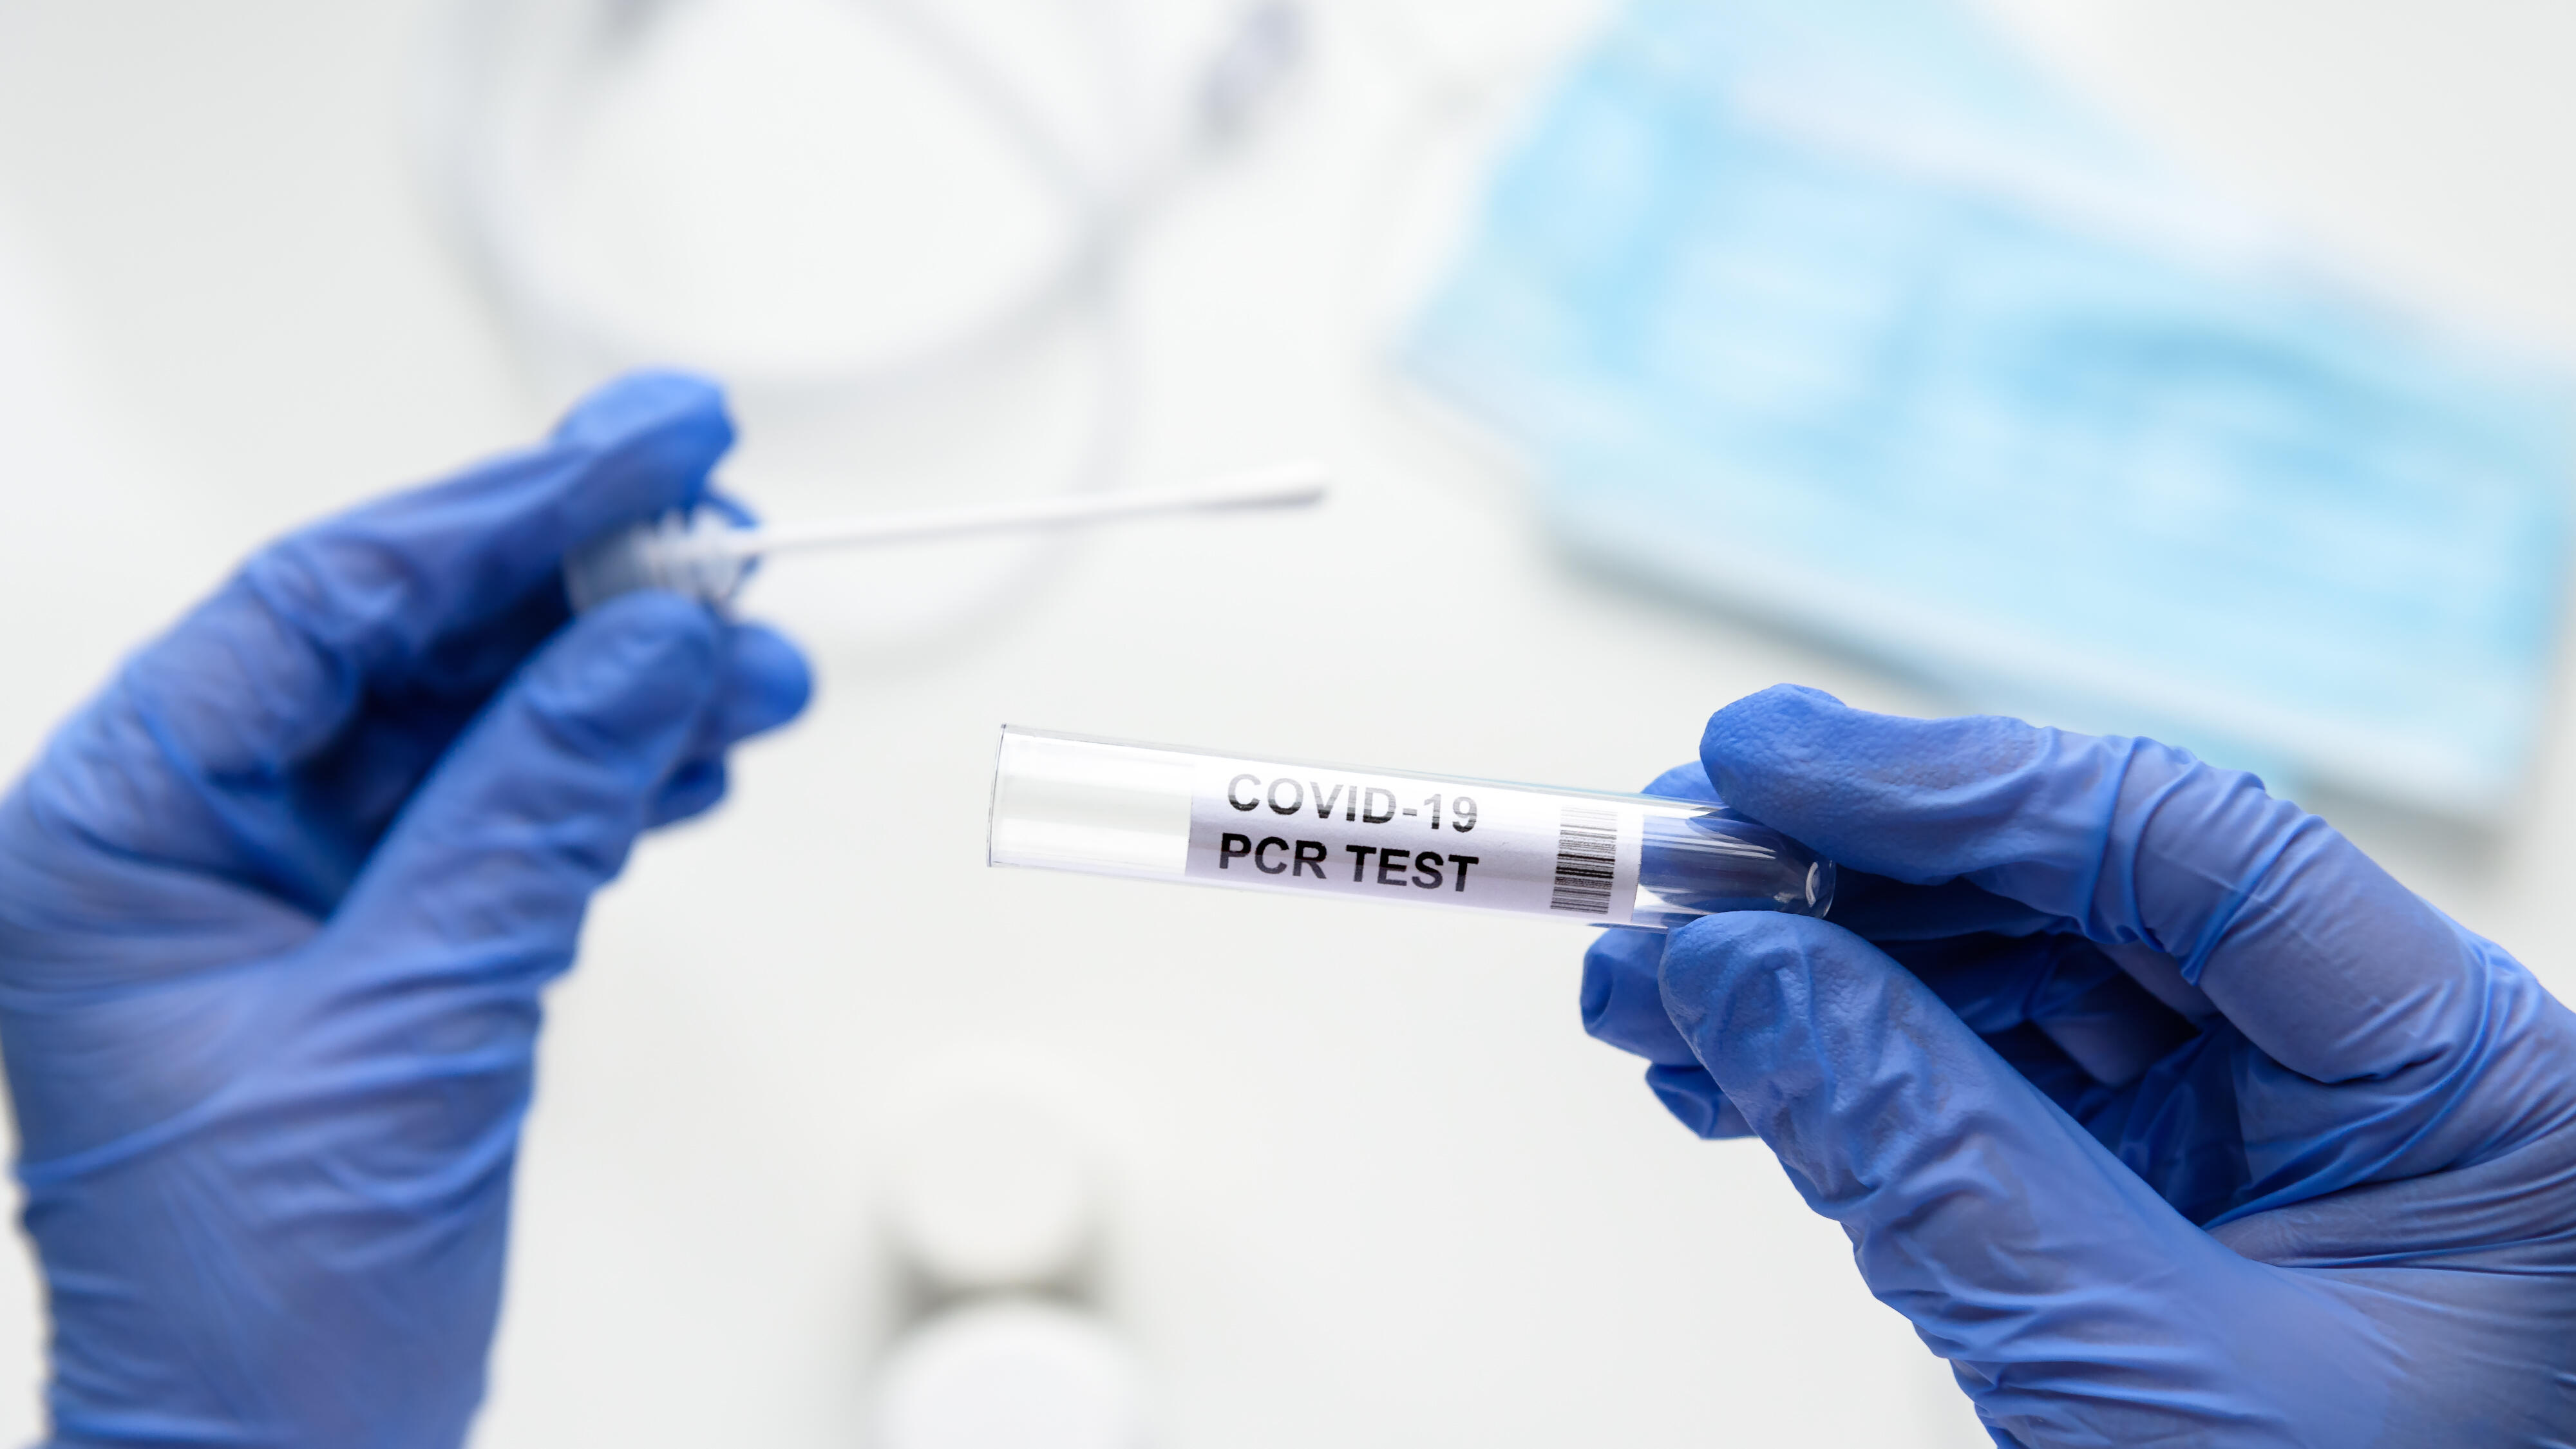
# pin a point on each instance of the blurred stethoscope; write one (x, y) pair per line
(511, 91)
(509, 79)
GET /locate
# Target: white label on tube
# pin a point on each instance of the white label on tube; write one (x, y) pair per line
(1391, 837)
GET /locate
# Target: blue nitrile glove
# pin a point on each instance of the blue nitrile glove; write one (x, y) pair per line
(2165, 1115)
(276, 911)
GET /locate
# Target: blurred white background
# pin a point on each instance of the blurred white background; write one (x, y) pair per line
(1370, 1183)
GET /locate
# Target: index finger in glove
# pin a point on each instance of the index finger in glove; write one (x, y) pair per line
(2322, 959)
(266, 672)
(1988, 959)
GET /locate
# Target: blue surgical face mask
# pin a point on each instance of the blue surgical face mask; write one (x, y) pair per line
(1832, 311)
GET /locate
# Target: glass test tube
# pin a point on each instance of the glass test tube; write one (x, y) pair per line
(1111, 807)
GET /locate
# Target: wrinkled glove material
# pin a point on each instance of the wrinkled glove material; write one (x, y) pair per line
(2165, 1114)
(276, 913)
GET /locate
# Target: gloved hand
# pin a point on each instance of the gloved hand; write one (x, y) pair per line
(2164, 1114)
(276, 911)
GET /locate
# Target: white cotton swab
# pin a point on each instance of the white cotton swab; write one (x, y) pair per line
(707, 558)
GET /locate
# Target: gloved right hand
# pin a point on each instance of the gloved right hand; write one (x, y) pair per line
(2165, 1115)
(277, 911)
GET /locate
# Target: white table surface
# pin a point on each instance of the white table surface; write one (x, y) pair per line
(1372, 1185)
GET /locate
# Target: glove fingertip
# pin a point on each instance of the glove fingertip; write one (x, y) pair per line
(1684, 782)
(1764, 737)
(1623, 1003)
(1613, 952)
(694, 789)
(646, 401)
(768, 681)
(661, 430)
(1694, 1099)
(1770, 709)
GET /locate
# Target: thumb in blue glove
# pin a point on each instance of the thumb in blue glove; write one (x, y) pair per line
(275, 916)
(2163, 1113)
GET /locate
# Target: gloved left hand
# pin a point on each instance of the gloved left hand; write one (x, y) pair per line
(275, 914)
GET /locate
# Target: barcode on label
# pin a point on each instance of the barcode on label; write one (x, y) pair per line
(1587, 859)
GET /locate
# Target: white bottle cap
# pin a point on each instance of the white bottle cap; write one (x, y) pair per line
(1011, 1373)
